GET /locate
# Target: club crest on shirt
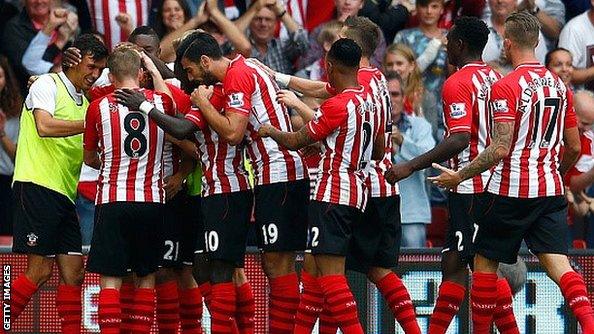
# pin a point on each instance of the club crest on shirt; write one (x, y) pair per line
(32, 239)
(236, 100)
(499, 106)
(317, 115)
(457, 110)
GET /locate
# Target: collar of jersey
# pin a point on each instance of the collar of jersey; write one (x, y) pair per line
(530, 64)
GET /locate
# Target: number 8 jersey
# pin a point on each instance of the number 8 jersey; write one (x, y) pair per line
(542, 108)
(130, 146)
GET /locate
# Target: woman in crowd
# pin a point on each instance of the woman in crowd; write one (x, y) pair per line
(10, 110)
(560, 62)
(400, 58)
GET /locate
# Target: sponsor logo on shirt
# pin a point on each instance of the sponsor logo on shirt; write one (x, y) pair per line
(236, 100)
(499, 106)
(457, 110)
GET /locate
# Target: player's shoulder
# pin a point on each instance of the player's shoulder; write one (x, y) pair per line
(43, 83)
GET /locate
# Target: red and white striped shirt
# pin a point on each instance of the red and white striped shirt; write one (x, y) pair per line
(586, 159)
(374, 81)
(345, 123)
(104, 12)
(466, 109)
(130, 145)
(252, 92)
(542, 107)
(222, 164)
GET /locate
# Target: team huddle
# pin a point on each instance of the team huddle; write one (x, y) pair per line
(509, 141)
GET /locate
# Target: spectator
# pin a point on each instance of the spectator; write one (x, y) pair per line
(344, 9)
(454, 9)
(329, 34)
(391, 16)
(493, 52)
(574, 8)
(560, 62)
(10, 110)
(8, 10)
(578, 37)
(172, 15)
(411, 137)
(66, 24)
(401, 59)
(116, 19)
(262, 18)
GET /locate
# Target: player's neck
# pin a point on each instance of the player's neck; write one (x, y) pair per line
(364, 62)
(345, 81)
(519, 57)
(72, 77)
(469, 60)
(126, 83)
(220, 68)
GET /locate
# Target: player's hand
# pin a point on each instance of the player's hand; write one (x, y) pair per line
(149, 64)
(447, 179)
(71, 57)
(398, 172)
(201, 95)
(129, 98)
(287, 98)
(173, 185)
(265, 130)
(266, 69)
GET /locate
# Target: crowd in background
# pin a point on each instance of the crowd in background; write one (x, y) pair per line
(292, 36)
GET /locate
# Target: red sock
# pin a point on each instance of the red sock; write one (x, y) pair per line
(143, 310)
(504, 311)
(21, 291)
(222, 309)
(206, 290)
(327, 324)
(483, 299)
(284, 300)
(109, 313)
(68, 303)
(395, 293)
(576, 295)
(341, 303)
(167, 307)
(126, 302)
(190, 311)
(246, 309)
(451, 296)
(311, 304)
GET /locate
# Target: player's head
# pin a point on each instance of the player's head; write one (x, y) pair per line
(364, 32)
(521, 33)
(466, 40)
(181, 45)
(429, 11)
(342, 60)
(200, 58)
(94, 55)
(583, 102)
(146, 38)
(396, 91)
(124, 64)
(560, 62)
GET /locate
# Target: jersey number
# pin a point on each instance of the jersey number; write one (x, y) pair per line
(549, 127)
(135, 143)
(366, 141)
(172, 250)
(269, 234)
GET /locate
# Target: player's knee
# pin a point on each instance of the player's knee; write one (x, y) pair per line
(278, 264)
(165, 275)
(221, 271)
(375, 274)
(39, 274)
(453, 268)
(201, 268)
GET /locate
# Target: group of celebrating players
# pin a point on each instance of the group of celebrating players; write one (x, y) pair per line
(509, 141)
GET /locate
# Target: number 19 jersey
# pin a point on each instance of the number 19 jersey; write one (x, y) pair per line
(542, 108)
(130, 146)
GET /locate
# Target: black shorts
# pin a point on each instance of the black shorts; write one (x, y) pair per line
(127, 237)
(376, 236)
(182, 220)
(45, 222)
(541, 222)
(331, 227)
(281, 215)
(464, 210)
(226, 222)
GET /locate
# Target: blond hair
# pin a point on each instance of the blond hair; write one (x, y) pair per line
(413, 85)
(522, 29)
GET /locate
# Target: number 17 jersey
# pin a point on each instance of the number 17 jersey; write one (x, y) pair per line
(130, 146)
(542, 108)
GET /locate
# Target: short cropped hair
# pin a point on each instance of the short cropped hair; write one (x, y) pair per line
(523, 29)
(90, 45)
(124, 63)
(472, 31)
(345, 53)
(364, 32)
(203, 45)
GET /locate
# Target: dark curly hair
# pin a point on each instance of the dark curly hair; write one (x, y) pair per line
(472, 31)
(10, 97)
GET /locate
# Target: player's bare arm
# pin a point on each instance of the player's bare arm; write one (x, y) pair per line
(230, 126)
(291, 100)
(179, 128)
(91, 159)
(48, 126)
(379, 147)
(571, 149)
(447, 149)
(498, 149)
(291, 140)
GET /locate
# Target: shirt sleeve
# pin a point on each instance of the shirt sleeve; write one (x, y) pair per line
(502, 104)
(326, 120)
(195, 116)
(239, 87)
(42, 95)
(457, 107)
(182, 100)
(570, 117)
(168, 106)
(91, 134)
